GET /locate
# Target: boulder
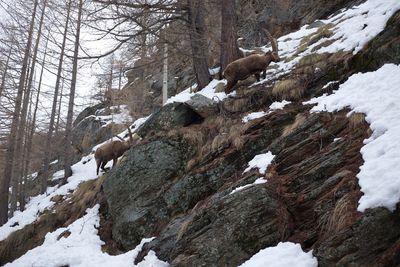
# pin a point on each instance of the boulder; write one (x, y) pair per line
(170, 116)
(134, 190)
(203, 105)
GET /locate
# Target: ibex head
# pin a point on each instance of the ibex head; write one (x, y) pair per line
(274, 53)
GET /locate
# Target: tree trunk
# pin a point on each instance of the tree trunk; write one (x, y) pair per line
(59, 109)
(33, 126)
(229, 47)
(22, 123)
(5, 182)
(68, 128)
(197, 33)
(46, 154)
(3, 77)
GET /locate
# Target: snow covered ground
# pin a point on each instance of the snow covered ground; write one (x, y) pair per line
(282, 255)
(259, 114)
(81, 248)
(376, 94)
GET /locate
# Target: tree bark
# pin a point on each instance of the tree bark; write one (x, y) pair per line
(18, 168)
(197, 33)
(46, 154)
(68, 128)
(229, 47)
(5, 182)
(3, 77)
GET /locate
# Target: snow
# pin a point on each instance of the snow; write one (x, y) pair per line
(352, 29)
(81, 248)
(259, 114)
(119, 118)
(377, 94)
(283, 255)
(260, 180)
(208, 91)
(261, 161)
(82, 171)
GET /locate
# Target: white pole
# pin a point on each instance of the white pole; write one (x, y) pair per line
(165, 75)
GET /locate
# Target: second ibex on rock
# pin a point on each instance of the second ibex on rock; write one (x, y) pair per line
(242, 68)
(113, 150)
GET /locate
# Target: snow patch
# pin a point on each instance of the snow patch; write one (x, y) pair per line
(260, 180)
(282, 255)
(81, 248)
(261, 161)
(259, 114)
(375, 94)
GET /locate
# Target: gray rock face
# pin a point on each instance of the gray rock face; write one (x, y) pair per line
(281, 16)
(88, 111)
(134, 189)
(203, 105)
(89, 132)
(170, 116)
(220, 223)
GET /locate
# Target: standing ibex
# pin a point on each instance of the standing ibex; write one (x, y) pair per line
(242, 68)
(112, 151)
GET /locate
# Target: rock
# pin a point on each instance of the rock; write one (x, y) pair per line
(204, 106)
(359, 245)
(170, 116)
(219, 235)
(88, 133)
(384, 48)
(89, 111)
(134, 190)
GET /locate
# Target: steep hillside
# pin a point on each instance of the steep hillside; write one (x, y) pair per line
(298, 169)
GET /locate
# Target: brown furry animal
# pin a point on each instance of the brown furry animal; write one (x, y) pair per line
(242, 68)
(113, 150)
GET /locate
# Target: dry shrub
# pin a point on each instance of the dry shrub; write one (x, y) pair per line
(311, 60)
(342, 216)
(356, 120)
(220, 87)
(219, 142)
(289, 89)
(322, 32)
(300, 118)
(236, 136)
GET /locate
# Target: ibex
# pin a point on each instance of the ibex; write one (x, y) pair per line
(242, 68)
(112, 151)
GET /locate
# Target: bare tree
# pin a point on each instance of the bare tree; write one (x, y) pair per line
(198, 41)
(46, 154)
(5, 182)
(68, 129)
(229, 47)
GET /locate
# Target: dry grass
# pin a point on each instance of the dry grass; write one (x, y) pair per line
(289, 89)
(312, 59)
(356, 120)
(32, 235)
(300, 118)
(219, 142)
(342, 216)
(220, 87)
(322, 32)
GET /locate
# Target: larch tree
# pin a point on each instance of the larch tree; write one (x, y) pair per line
(68, 153)
(46, 154)
(8, 169)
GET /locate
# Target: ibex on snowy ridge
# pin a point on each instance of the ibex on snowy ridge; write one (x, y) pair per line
(113, 150)
(242, 68)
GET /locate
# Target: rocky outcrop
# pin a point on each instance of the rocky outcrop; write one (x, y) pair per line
(170, 116)
(311, 194)
(135, 189)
